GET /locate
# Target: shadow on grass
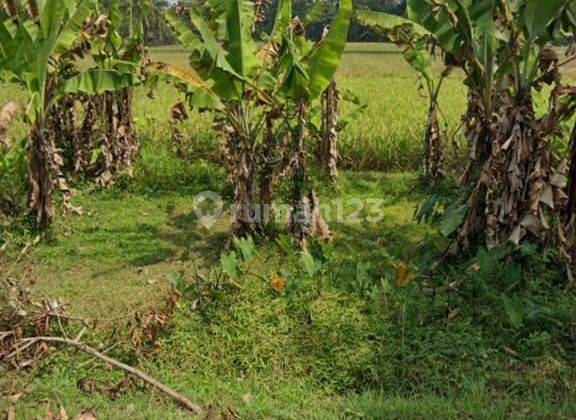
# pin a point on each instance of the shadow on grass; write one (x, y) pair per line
(191, 237)
(103, 250)
(401, 241)
(162, 231)
(137, 246)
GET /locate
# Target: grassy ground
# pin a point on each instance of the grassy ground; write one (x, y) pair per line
(326, 347)
(343, 342)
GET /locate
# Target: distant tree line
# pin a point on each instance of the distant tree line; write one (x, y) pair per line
(323, 15)
(158, 32)
(155, 27)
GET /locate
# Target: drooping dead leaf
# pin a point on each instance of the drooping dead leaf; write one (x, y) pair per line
(48, 414)
(475, 267)
(533, 224)
(516, 235)
(434, 144)
(548, 197)
(178, 113)
(402, 275)
(11, 411)
(277, 284)
(328, 152)
(510, 351)
(124, 385)
(87, 385)
(318, 225)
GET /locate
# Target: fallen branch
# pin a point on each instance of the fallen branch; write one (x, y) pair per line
(119, 365)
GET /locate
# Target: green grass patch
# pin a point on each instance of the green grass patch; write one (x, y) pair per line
(343, 343)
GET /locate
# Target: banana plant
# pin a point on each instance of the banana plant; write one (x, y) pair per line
(473, 45)
(37, 40)
(561, 119)
(328, 120)
(512, 178)
(107, 142)
(418, 45)
(260, 94)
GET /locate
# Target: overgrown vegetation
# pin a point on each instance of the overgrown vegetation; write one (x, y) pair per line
(435, 293)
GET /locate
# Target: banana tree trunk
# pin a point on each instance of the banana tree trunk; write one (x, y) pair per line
(328, 151)
(178, 115)
(274, 161)
(119, 143)
(516, 184)
(240, 160)
(125, 143)
(571, 189)
(247, 218)
(267, 175)
(305, 219)
(479, 138)
(62, 123)
(300, 219)
(568, 227)
(433, 146)
(41, 202)
(107, 125)
(86, 142)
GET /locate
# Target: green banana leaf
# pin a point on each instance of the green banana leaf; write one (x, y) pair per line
(71, 29)
(387, 21)
(325, 59)
(538, 14)
(296, 79)
(211, 44)
(438, 23)
(316, 12)
(212, 56)
(241, 45)
(98, 81)
(418, 57)
(183, 33)
(283, 18)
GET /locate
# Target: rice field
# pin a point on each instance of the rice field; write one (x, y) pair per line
(387, 136)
